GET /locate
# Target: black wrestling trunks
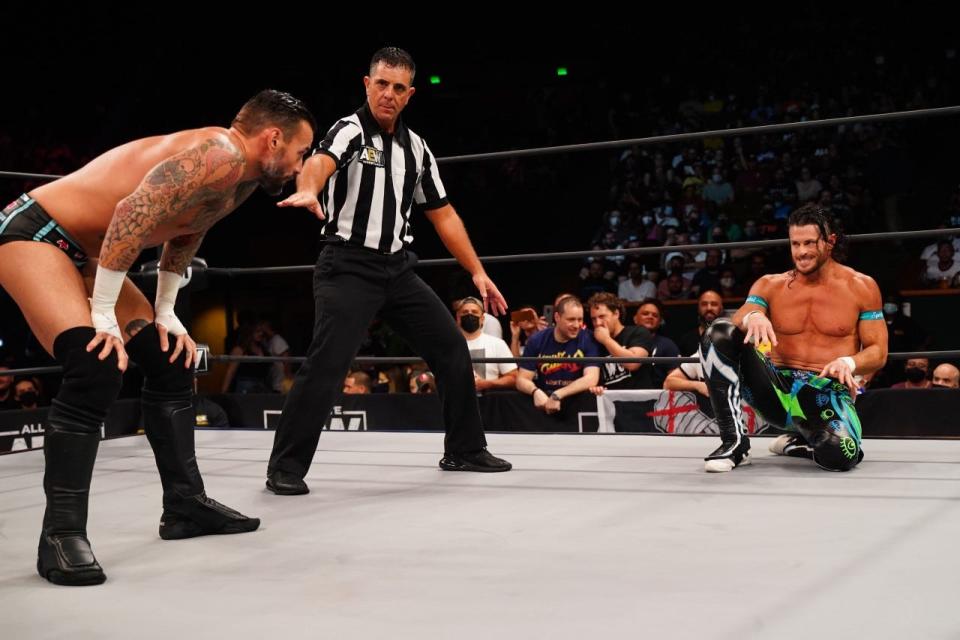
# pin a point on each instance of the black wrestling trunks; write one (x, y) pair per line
(25, 219)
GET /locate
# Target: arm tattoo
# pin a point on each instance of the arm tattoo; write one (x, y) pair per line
(134, 326)
(201, 180)
(178, 252)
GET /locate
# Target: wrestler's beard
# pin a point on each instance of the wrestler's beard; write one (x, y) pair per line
(818, 261)
(273, 178)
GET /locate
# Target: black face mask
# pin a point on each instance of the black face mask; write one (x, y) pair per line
(470, 323)
(28, 397)
(915, 374)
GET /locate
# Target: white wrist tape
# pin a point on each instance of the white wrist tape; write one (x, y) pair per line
(168, 284)
(103, 302)
(850, 363)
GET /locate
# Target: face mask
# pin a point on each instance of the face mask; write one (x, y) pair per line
(28, 397)
(915, 374)
(470, 323)
(647, 220)
(890, 308)
(726, 283)
(614, 221)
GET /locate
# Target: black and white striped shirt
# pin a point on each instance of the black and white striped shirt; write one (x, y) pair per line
(379, 176)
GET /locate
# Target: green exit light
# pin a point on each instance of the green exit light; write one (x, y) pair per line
(561, 71)
(434, 79)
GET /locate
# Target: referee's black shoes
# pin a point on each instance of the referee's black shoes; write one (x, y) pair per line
(482, 461)
(286, 484)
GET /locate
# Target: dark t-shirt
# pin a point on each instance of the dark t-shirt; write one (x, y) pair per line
(614, 375)
(689, 343)
(553, 375)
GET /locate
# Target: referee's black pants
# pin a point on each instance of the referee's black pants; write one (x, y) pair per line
(350, 286)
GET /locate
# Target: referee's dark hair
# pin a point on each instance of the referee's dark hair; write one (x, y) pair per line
(394, 57)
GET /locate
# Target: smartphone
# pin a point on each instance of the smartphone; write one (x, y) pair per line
(523, 315)
(548, 313)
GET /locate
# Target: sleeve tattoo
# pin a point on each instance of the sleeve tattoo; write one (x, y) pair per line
(203, 177)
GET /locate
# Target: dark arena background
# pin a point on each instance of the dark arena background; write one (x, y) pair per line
(607, 524)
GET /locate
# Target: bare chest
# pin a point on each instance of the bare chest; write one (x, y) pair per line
(824, 310)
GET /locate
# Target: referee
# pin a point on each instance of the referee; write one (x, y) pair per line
(372, 169)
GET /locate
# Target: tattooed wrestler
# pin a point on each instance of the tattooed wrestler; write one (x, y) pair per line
(83, 309)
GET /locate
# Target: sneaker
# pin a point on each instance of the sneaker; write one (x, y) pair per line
(67, 559)
(202, 516)
(793, 445)
(286, 484)
(482, 461)
(727, 457)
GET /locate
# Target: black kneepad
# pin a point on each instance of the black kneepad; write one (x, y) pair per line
(835, 451)
(159, 373)
(89, 385)
(725, 337)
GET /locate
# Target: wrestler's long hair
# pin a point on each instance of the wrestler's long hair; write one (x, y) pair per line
(811, 213)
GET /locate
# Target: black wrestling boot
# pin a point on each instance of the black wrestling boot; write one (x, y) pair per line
(64, 554)
(169, 421)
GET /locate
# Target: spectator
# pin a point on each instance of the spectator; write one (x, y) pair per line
(491, 325)
(550, 382)
(916, 371)
(636, 287)
(708, 278)
(7, 400)
(675, 287)
(606, 311)
(596, 280)
(718, 190)
(947, 376)
(808, 187)
(26, 393)
(482, 345)
(942, 268)
(650, 316)
(709, 308)
(248, 377)
(521, 330)
(357, 383)
(281, 374)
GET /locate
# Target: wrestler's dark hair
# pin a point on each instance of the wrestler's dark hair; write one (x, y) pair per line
(813, 214)
(394, 57)
(609, 300)
(276, 108)
(567, 301)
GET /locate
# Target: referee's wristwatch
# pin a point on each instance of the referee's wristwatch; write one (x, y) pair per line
(554, 396)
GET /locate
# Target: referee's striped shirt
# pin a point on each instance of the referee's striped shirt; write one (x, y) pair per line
(379, 176)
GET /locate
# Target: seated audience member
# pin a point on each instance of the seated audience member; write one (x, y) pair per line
(549, 383)
(606, 312)
(650, 316)
(916, 370)
(521, 330)
(946, 376)
(482, 345)
(357, 382)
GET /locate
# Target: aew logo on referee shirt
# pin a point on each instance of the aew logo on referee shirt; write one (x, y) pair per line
(371, 156)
